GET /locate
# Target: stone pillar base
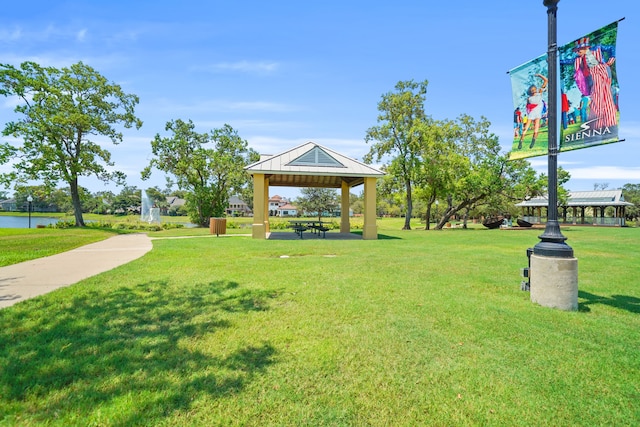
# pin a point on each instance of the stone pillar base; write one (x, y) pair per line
(258, 231)
(370, 232)
(554, 282)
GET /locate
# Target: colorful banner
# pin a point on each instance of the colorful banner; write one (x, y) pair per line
(589, 90)
(529, 90)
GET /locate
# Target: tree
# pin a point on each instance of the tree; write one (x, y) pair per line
(598, 186)
(356, 203)
(128, 201)
(317, 200)
(101, 203)
(209, 174)
(390, 195)
(63, 109)
(40, 194)
(400, 135)
(246, 194)
(438, 163)
(631, 194)
(481, 173)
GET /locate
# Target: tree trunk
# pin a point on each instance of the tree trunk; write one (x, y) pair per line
(428, 226)
(75, 201)
(432, 199)
(407, 218)
(452, 210)
(444, 219)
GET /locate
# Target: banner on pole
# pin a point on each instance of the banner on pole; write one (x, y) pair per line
(589, 90)
(529, 91)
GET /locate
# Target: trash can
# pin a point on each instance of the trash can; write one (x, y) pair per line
(218, 226)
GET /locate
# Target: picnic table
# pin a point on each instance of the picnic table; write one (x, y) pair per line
(316, 227)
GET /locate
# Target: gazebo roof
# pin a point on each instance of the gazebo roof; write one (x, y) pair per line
(311, 165)
(583, 198)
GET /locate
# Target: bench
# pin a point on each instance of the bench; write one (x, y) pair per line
(299, 229)
(322, 230)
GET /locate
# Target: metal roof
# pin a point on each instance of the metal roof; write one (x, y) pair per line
(312, 165)
(583, 198)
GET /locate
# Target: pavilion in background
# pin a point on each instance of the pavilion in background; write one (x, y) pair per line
(311, 165)
(582, 207)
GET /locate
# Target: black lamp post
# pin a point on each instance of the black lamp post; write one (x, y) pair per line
(552, 241)
(29, 201)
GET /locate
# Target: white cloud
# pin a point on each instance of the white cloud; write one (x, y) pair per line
(13, 35)
(590, 173)
(57, 60)
(259, 106)
(539, 162)
(218, 106)
(629, 130)
(81, 35)
(246, 126)
(606, 173)
(11, 103)
(125, 35)
(241, 66)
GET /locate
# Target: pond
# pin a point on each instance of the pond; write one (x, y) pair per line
(23, 221)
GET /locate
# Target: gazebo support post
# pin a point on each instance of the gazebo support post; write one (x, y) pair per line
(258, 230)
(345, 226)
(267, 228)
(370, 230)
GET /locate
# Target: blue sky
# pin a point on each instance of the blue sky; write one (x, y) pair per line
(286, 72)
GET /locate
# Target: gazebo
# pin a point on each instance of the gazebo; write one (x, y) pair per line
(591, 204)
(311, 165)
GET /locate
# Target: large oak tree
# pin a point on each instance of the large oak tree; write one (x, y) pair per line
(62, 111)
(210, 166)
(400, 135)
(318, 200)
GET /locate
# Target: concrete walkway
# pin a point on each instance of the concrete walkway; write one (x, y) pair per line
(39, 276)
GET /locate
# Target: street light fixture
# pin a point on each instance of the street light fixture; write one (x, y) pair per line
(29, 200)
(552, 241)
(553, 269)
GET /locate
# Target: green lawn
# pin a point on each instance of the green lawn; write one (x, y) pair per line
(416, 328)
(23, 244)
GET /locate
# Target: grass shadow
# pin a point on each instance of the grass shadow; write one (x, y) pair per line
(387, 237)
(136, 343)
(380, 236)
(624, 302)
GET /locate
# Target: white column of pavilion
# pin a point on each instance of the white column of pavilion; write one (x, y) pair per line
(311, 165)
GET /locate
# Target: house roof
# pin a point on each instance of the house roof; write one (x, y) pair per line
(312, 165)
(235, 200)
(583, 198)
(175, 201)
(288, 207)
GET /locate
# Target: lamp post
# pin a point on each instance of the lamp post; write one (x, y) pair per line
(554, 270)
(29, 201)
(552, 241)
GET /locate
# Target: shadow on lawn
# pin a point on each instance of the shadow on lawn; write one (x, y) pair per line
(624, 302)
(380, 236)
(138, 344)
